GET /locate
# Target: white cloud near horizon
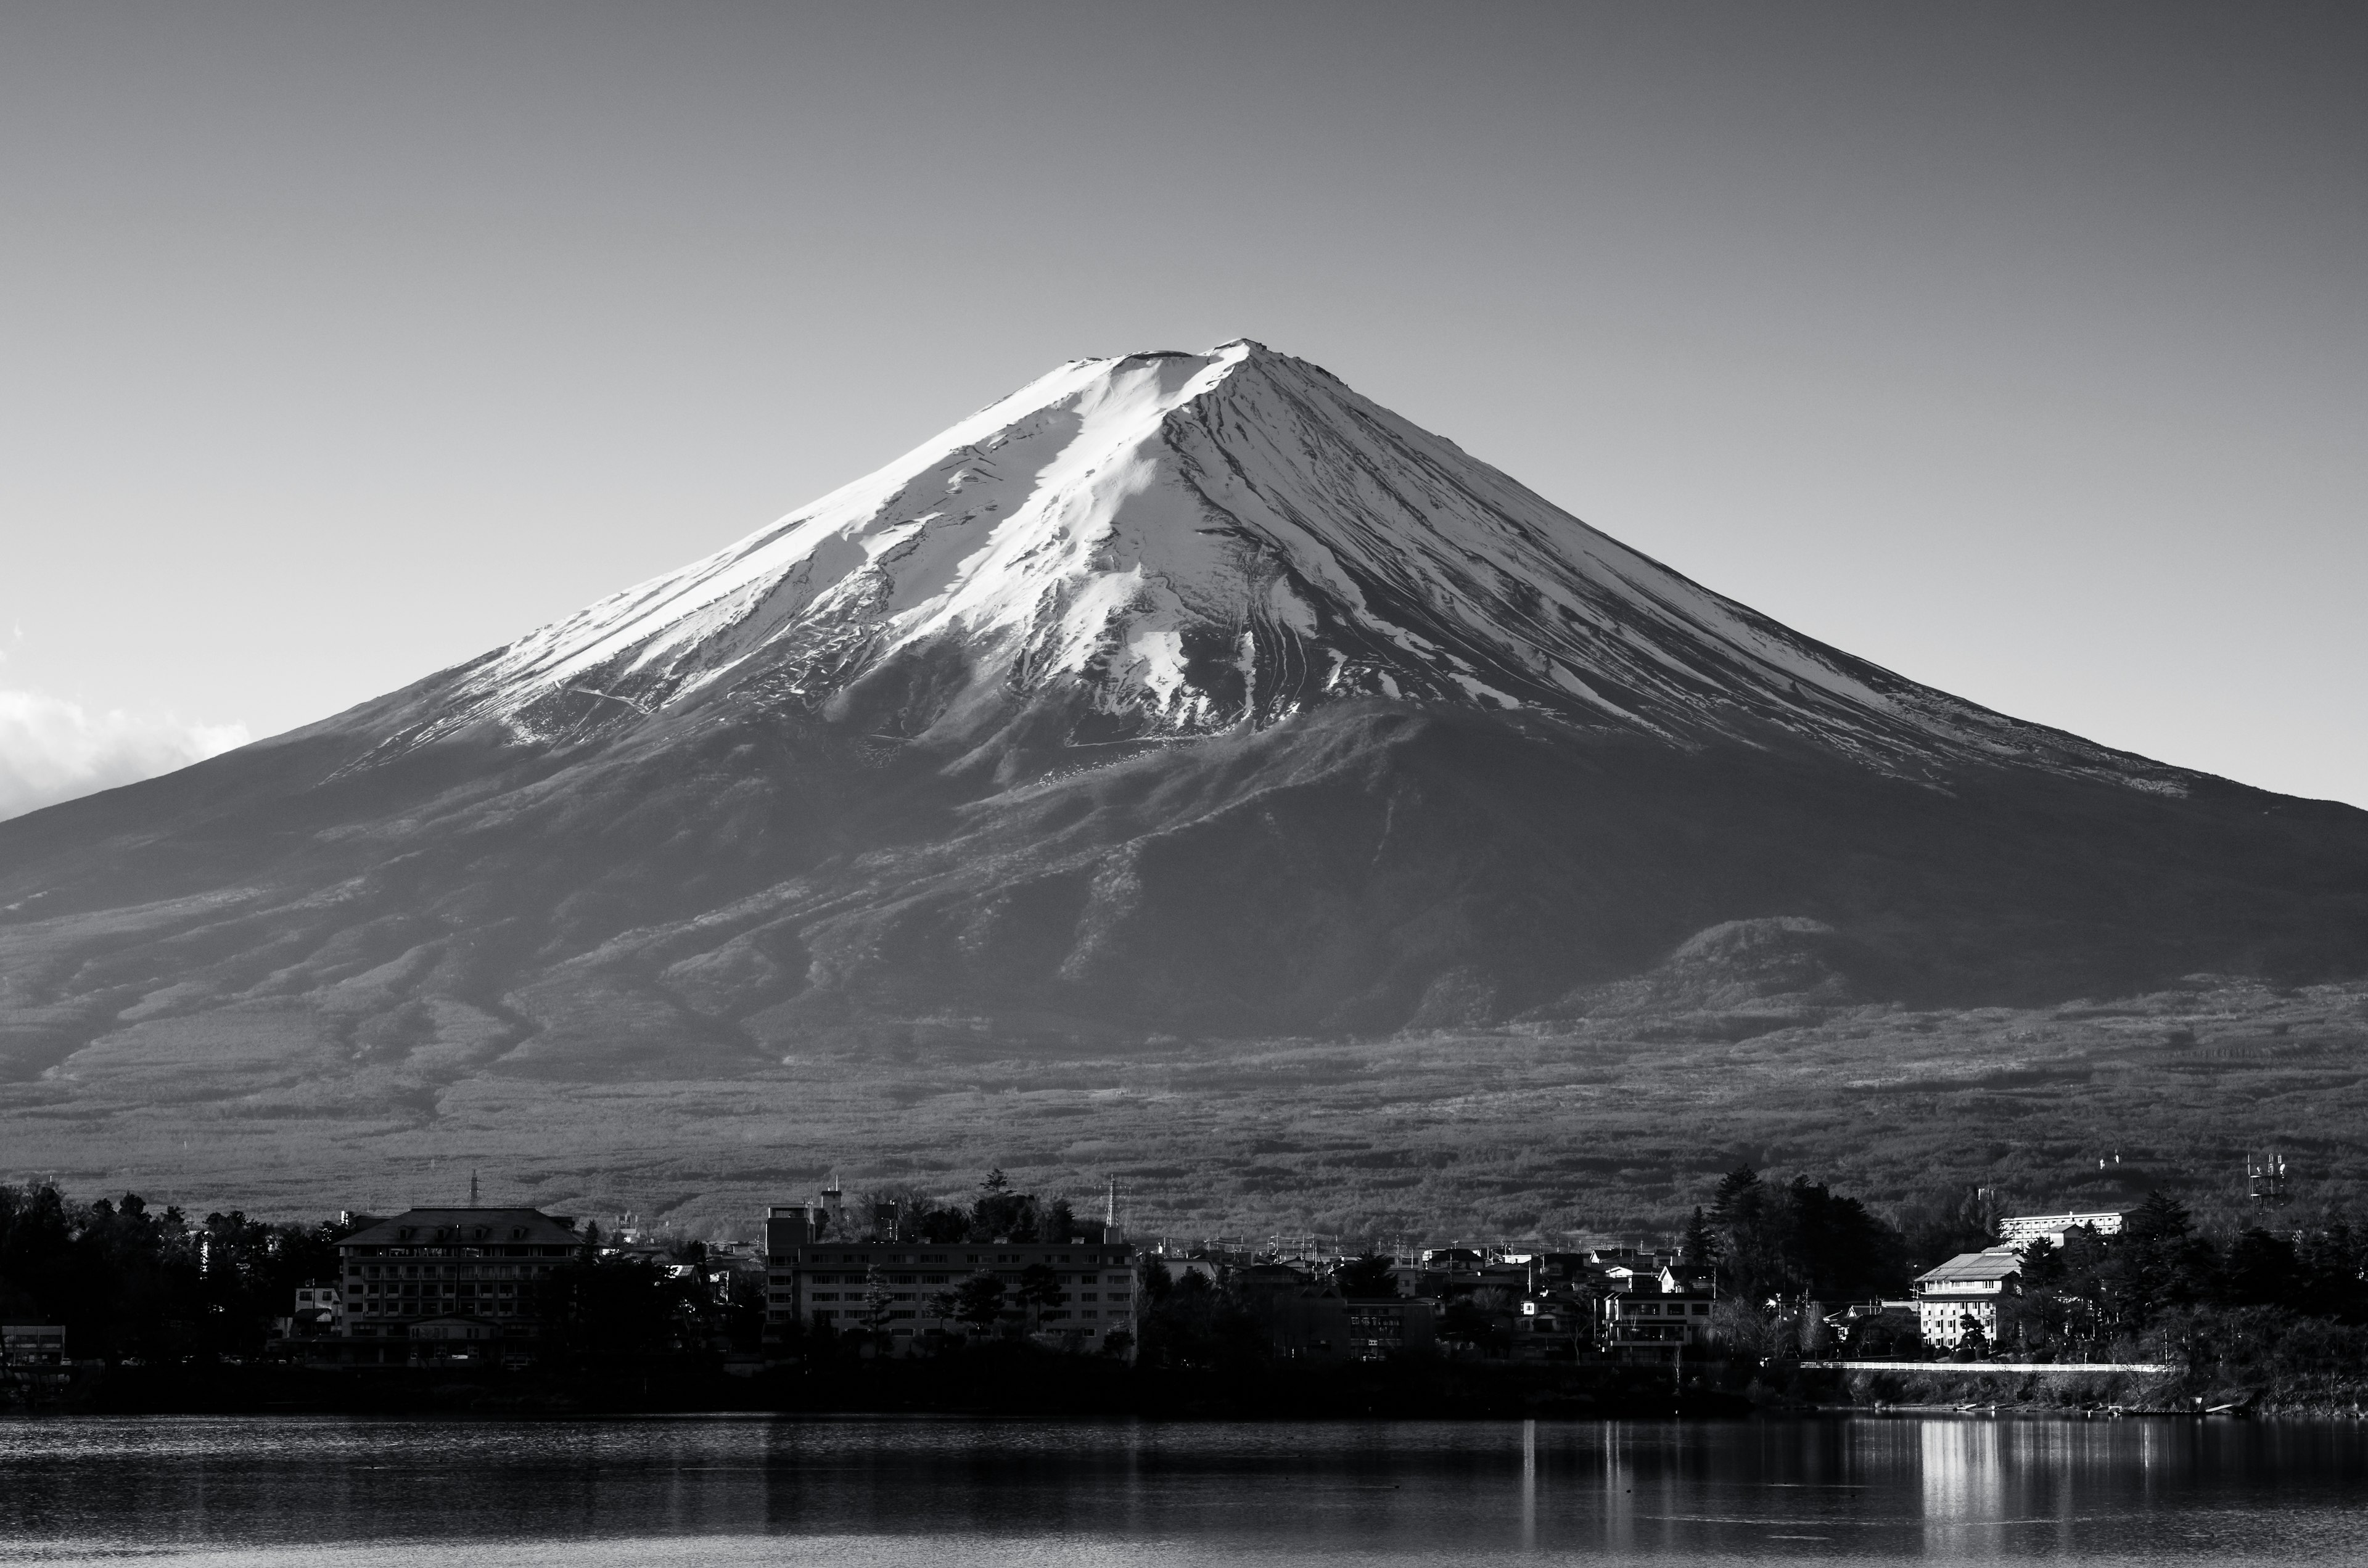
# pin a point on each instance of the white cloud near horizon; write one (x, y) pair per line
(53, 750)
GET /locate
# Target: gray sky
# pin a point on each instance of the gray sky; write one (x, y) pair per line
(2020, 348)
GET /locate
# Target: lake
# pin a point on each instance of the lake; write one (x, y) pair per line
(921, 1492)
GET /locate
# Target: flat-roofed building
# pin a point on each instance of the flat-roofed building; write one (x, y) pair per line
(1381, 1327)
(899, 1288)
(32, 1344)
(33, 1360)
(1320, 1325)
(2021, 1229)
(1964, 1294)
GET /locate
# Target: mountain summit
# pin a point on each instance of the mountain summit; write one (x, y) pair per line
(1173, 693)
(1186, 544)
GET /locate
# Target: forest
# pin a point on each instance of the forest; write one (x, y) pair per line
(132, 1284)
(2278, 1303)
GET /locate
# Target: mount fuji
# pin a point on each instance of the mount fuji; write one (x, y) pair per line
(1173, 694)
(1184, 545)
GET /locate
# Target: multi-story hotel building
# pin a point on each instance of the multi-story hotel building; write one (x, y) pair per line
(1963, 1293)
(452, 1274)
(844, 1284)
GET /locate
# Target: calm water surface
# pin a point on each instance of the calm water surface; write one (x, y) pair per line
(926, 1493)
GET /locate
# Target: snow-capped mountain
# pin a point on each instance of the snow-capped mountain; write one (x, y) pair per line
(1193, 543)
(1175, 694)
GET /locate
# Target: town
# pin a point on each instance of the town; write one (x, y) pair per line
(1764, 1286)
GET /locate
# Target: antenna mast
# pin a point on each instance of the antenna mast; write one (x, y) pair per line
(2265, 1179)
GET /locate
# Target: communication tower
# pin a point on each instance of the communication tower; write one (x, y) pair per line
(2265, 1179)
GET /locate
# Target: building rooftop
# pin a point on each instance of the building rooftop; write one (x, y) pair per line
(465, 1227)
(1966, 1267)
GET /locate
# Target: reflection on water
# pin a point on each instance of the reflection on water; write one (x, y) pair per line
(1963, 1491)
(735, 1490)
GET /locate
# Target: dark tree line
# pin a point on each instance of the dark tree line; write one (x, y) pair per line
(995, 1214)
(595, 1308)
(1189, 1323)
(1800, 1240)
(2096, 1290)
(131, 1282)
(1777, 1248)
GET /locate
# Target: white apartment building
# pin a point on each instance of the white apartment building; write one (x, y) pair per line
(2019, 1230)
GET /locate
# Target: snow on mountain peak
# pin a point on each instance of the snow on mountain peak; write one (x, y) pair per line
(1196, 541)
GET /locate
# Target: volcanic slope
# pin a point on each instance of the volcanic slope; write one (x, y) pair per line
(1173, 694)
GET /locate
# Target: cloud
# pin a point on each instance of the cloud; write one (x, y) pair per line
(52, 750)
